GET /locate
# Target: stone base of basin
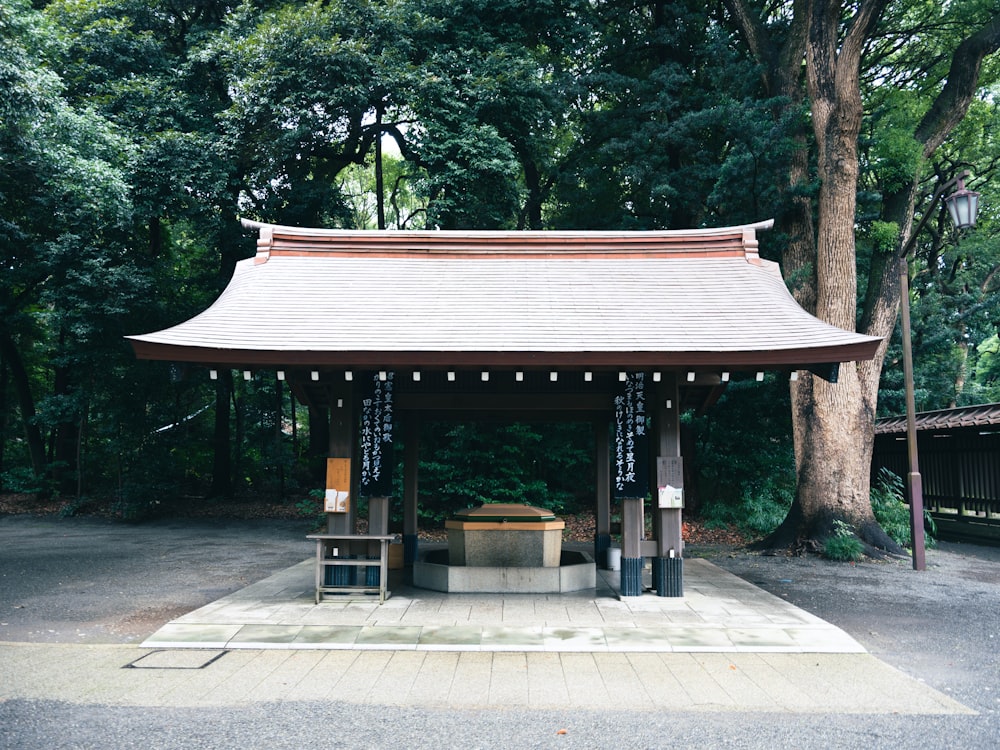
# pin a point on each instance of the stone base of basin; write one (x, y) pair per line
(505, 544)
(575, 572)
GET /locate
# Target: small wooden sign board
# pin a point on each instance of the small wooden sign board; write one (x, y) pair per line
(670, 481)
(338, 485)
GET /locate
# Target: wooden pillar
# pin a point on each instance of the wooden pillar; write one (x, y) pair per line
(411, 483)
(602, 462)
(378, 523)
(668, 564)
(341, 445)
(631, 483)
(378, 516)
(632, 535)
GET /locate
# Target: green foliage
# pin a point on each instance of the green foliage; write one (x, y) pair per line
(747, 482)
(987, 370)
(954, 289)
(73, 507)
(892, 512)
(894, 154)
(312, 506)
(881, 235)
(21, 479)
(953, 313)
(403, 208)
(843, 545)
(133, 133)
(65, 206)
(465, 465)
(758, 510)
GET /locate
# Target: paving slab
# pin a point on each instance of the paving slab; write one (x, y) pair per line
(719, 613)
(727, 645)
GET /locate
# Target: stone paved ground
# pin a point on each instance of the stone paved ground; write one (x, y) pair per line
(77, 595)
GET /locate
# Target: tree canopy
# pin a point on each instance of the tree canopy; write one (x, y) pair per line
(132, 136)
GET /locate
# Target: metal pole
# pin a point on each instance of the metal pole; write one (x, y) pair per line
(914, 484)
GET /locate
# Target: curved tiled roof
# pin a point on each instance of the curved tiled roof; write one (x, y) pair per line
(396, 299)
(983, 415)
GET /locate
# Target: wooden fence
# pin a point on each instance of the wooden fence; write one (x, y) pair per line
(959, 457)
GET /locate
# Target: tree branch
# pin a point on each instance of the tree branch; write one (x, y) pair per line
(860, 29)
(780, 67)
(953, 102)
(755, 36)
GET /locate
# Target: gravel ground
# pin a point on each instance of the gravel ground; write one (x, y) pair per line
(941, 625)
(90, 580)
(85, 580)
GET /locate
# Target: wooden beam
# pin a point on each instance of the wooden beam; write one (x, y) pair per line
(525, 402)
(815, 358)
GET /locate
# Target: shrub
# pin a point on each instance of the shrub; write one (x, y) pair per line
(747, 481)
(761, 507)
(843, 545)
(892, 513)
(465, 465)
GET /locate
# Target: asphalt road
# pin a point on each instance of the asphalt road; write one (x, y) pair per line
(89, 581)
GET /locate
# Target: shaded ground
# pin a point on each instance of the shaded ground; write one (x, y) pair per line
(93, 580)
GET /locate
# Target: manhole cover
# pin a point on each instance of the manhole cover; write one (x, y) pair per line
(177, 659)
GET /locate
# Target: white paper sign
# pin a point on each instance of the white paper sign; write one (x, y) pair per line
(336, 501)
(670, 497)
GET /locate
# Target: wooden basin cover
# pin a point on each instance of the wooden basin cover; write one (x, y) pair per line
(499, 512)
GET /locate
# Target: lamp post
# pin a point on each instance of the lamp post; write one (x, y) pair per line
(963, 205)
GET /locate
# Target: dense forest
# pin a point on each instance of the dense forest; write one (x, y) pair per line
(133, 135)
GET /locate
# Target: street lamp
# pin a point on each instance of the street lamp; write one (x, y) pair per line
(963, 205)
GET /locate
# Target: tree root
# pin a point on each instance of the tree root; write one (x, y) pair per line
(796, 537)
(878, 544)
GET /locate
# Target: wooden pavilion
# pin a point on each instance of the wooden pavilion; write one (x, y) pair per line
(620, 329)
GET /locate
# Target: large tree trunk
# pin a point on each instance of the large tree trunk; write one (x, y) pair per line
(833, 423)
(834, 438)
(832, 445)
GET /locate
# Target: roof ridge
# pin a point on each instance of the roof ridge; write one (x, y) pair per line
(735, 241)
(582, 233)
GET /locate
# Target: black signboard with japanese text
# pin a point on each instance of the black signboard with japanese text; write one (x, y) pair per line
(631, 475)
(376, 434)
